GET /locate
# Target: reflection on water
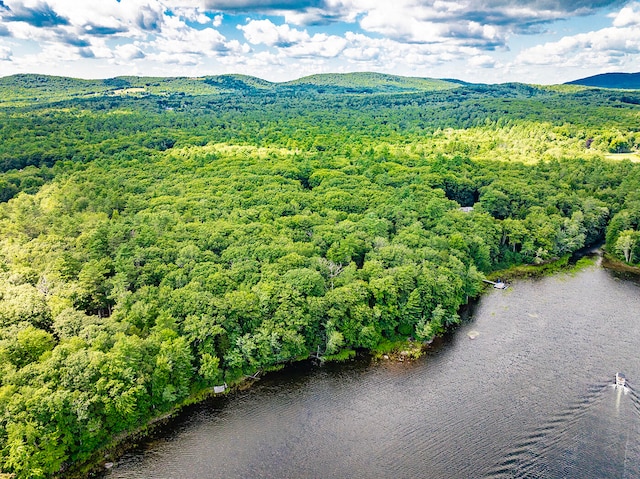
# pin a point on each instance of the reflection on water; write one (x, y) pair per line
(530, 397)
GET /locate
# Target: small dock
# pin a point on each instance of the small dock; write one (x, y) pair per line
(496, 284)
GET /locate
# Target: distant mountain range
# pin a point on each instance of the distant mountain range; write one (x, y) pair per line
(32, 87)
(27, 88)
(629, 81)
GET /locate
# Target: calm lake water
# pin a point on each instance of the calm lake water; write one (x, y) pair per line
(531, 397)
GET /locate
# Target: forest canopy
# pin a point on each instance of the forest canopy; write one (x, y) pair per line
(159, 237)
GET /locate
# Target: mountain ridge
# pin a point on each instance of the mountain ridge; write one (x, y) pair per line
(624, 81)
(25, 88)
(33, 87)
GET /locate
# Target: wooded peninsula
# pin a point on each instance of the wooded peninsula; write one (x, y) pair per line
(162, 236)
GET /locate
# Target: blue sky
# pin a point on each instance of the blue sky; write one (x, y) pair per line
(539, 41)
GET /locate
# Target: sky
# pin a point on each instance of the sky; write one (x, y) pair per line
(489, 41)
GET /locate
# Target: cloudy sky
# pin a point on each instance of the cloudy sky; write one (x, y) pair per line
(539, 41)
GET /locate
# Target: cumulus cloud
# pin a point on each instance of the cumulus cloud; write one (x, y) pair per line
(38, 14)
(195, 15)
(266, 32)
(409, 16)
(286, 44)
(178, 38)
(149, 18)
(173, 33)
(616, 46)
(181, 59)
(58, 53)
(107, 17)
(482, 61)
(485, 24)
(482, 24)
(5, 53)
(292, 42)
(391, 55)
(418, 24)
(320, 45)
(130, 18)
(628, 16)
(608, 46)
(205, 42)
(129, 52)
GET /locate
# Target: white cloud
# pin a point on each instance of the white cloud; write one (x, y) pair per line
(175, 58)
(628, 16)
(611, 48)
(485, 24)
(182, 39)
(130, 18)
(482, 61)
(5, 54)
(513, 15)
(608, 46)
(266, 32)
(100, 49)
(123, 19)
(58, 53)
(362, 53)
(389, 55)
(24, 31)
(192, 14)
(441, 22)
(258, 60)
(156, 29)
(373, 51)
(331, 12)
(129, 52)
(69, 31)
(320, 45)
(291, 42)
(357, 48)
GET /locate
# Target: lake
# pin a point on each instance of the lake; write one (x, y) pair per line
(531, 396)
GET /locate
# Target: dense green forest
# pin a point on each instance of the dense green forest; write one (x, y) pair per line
(159, 237)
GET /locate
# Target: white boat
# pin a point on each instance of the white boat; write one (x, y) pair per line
(620, 380)
(496, 284)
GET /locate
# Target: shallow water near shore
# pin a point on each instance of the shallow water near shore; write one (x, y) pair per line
(530, 396)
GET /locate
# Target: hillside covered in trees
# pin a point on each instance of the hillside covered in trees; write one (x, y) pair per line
(159, 237)
(628, 81)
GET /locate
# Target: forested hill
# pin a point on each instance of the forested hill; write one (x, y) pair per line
(372, 83)
(32, 88)
(161, 236)
(629, 81)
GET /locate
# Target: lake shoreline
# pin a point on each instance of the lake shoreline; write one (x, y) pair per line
(615, 264)
(400, 351)
(529, 336)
